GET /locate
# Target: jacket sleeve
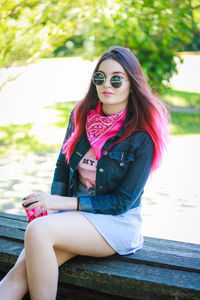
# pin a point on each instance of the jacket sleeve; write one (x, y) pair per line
(61, 174)
(129, 189)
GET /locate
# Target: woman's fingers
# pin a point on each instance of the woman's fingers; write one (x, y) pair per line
(36, 195)
(34, 205)
(36, 200)
(27, 204)
(31, 199)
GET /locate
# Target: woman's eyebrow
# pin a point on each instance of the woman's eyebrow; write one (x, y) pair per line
(116, 72)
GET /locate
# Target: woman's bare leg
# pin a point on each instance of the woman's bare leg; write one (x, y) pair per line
(14, 285)
(69, 231)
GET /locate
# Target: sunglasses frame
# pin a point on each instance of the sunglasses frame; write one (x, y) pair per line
(121, 80)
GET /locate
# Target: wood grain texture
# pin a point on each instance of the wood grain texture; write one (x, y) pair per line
(13, 216)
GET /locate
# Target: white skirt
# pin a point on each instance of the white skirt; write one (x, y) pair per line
(122, 232)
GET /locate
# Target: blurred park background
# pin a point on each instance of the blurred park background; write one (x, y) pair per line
(48, 50)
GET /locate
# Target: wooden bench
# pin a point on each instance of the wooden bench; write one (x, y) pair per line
(163, 269)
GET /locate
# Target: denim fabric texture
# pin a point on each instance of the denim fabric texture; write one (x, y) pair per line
(121, 173)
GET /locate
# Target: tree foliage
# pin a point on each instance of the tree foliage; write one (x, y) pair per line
(194, 44)
(31, 29)
(154, 30)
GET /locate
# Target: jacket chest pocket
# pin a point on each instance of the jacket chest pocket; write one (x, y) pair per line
(119, 163)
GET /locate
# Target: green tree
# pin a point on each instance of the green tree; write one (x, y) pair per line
(154, 30)
(194, 45)
(30, 28)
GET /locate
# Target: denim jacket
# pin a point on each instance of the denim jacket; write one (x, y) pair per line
(121, 172)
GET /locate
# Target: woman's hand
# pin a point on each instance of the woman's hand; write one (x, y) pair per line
(49, 202)
(45, 201)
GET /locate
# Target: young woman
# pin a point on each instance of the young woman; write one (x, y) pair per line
(114, 140)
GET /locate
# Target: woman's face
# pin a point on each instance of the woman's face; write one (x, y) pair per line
(113, 99)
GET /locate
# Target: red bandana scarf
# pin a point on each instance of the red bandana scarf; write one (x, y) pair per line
(100, 128)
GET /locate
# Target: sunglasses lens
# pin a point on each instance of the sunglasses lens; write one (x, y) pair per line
(116, 81)
(98, 78)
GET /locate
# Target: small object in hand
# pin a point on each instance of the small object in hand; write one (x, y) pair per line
(31, 213)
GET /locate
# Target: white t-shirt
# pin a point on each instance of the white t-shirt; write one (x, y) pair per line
(87, 169)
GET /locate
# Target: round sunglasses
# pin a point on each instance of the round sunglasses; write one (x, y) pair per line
(99, 78)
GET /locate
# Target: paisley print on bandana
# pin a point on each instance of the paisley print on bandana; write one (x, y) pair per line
(100, 128)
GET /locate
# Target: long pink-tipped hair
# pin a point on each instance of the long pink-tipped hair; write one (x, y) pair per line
(147, 111)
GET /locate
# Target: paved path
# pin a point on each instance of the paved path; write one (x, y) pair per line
(190, 110)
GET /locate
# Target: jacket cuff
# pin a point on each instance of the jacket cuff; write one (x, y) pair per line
(86, 204)
(59, 188)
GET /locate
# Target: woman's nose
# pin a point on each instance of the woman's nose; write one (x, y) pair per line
(107, 82)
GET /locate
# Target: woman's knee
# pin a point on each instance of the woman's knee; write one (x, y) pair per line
(36, 231)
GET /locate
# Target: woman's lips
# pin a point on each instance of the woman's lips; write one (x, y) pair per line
(106, 93)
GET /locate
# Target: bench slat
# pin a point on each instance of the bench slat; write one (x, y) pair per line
(181, 262)
(16, 234)
(123, 278)
(136, 271)
(9, 251)
(14, 223)
(13, 216)
(158, 242)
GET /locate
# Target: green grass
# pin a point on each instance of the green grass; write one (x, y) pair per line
(181, 98)
(64, 109)
(184, 123)
(181, 123)
(18, 138)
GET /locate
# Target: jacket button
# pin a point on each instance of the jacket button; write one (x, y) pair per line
(122, 164)
(101, 170)
(105, 152)
(100, 187)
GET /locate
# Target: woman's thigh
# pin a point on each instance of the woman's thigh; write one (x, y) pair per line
(71, 232)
